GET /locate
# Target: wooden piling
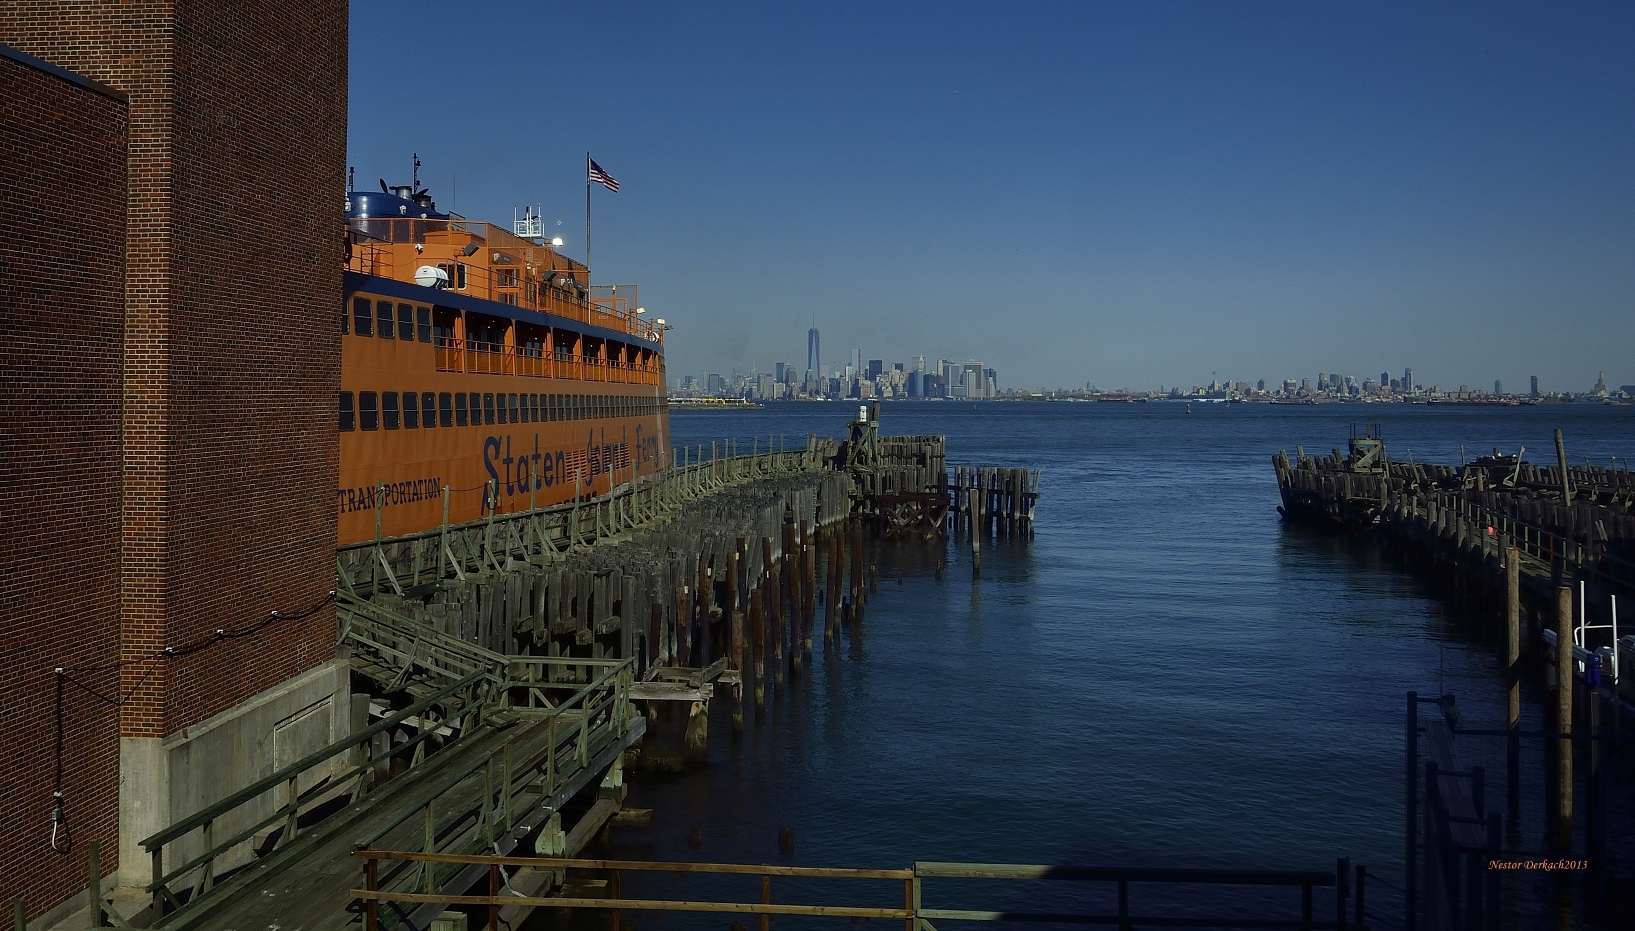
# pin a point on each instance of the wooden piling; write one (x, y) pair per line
(695, 736)
(857, 567)
(706, 593)
(655, 634)
(832, 595)
(1564, 716)
(808, 586)
(1512, 613)
(683, 652)
(774, 611)
(976, 532)
(735, 636)
(757, 632)
(786, 596)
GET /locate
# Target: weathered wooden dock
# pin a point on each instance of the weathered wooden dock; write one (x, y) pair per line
(1572, 523)
(1545, 553)
(517, 662)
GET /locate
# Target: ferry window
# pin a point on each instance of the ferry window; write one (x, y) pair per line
(502, 409)
(460, 276)
(411, 410)
(363, 319)
(383, 317)
(512, 403)
(348, 418)
(460, 409)
(488, 408)
(388, 409)
(368, 414)
(346, 319)
(405, 323)
(445, 409)
(428, 409)
(533, 408)
(422, 315)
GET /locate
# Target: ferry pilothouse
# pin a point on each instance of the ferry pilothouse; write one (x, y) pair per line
(482, 360)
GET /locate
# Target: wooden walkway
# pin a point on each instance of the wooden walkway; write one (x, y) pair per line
(306, 885)
(520, 737)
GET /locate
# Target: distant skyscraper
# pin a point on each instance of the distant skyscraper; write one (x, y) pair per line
(814, 359)
(1601, 384)
(1385, 378)
(876, 366)
(1407, 380)
(919, 363)
(1498, 386)
(1535, 386)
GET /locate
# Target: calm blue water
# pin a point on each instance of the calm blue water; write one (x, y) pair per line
(1166, 675)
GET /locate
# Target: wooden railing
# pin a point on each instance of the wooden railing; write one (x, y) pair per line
(466, 696)
(540, 535)
(595, 713)
(914, 914)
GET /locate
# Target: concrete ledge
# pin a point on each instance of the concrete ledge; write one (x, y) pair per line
(162, 780)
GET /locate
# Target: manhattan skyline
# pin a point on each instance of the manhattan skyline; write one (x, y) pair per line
(1119, 193)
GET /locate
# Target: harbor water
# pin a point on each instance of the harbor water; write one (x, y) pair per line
(1167, 674)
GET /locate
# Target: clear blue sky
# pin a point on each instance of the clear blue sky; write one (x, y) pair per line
(1131, 194)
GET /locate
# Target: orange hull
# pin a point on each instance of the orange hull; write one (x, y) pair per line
(533, 439)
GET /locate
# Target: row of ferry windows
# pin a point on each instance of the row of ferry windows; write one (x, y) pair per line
(371, 317)
(412, 410)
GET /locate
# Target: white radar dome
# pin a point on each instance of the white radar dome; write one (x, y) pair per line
(430, 276)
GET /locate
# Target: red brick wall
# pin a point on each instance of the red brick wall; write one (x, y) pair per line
(237, 168)
(236, 155)
(62, 188)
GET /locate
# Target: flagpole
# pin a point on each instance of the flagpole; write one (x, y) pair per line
(587, 220)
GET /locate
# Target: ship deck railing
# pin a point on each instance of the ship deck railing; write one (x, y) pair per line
(482, 358)
(374, 244)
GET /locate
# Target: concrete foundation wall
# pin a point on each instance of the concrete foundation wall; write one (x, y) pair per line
(163, 780)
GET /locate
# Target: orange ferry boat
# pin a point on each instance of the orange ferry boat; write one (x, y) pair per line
(483, 362)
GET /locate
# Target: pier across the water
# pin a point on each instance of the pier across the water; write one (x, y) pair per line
(1544, 555)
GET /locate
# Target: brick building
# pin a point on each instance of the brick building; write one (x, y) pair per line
(62, 185)
(169, 448)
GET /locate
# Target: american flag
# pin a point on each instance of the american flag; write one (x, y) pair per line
(599, 176)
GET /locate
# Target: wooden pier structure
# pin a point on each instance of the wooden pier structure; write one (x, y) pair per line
(514, 664)
(1547, 553)
(507, 672)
